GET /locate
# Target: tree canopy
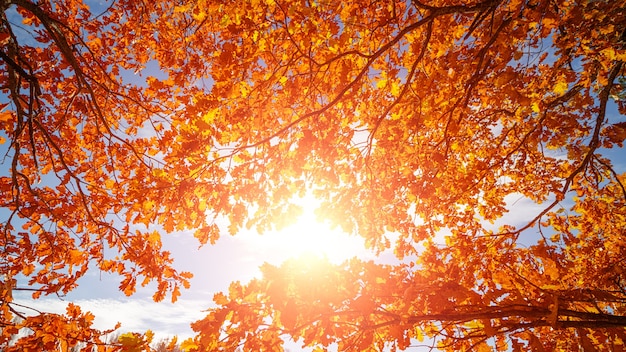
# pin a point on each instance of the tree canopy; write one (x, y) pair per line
(415, 123)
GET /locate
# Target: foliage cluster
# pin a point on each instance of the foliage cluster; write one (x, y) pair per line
(404, 117)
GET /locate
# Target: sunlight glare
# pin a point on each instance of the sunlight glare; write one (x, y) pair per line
(307, 236)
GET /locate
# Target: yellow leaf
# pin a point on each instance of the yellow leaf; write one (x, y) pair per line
(609, 53)
(419, 334)
(131, 342)
(244, 89)
(149, 336)
(560, 88)
(475, 324)
(395, 89)
(154, 238)
(159, 173)
(210, 116)
(200, 16)
(188, 344)
(535, 107)
(202, 205)
(148, 205)
(182, 8)
(109, 184)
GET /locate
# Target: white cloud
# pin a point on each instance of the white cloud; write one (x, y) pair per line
(164, 319)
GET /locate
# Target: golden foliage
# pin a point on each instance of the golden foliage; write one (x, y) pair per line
(408, 118)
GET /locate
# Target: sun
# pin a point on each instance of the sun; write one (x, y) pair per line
(308, 236)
